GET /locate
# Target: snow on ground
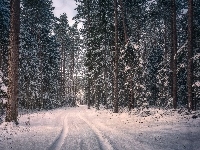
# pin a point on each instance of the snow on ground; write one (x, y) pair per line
(35, 131)
(80, 128)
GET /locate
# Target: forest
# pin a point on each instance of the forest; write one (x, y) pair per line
(127, 54)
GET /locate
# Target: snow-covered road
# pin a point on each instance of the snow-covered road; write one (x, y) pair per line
(83, 129)
(79, 134)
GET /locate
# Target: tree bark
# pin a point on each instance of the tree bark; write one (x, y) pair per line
(40, 70)
(1, 56)
(106, 87)
(89, 68)
(88, 94)
(12, 107)
(174, 54)
(116, 60)
(131, 94)
(190, 51)
(72, 75)
(165, 41)
(64, 72)
(124, 22)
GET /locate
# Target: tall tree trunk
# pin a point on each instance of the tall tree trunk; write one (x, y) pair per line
(174, 54)
(41, 71)
(61, 69)
(124, 22)
(89, 93)
(64, 73)
(131, 94)
(12, 107)
(89, 68)
(138, 24)
(97, 96)
(190, 51)
(106, 87)
(126, 41)
(1, 56)
(116, 61)
(105, 73)
(72, 74)
(112, 69)
(165, 41)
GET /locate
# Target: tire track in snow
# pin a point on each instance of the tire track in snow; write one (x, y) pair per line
(57, 144)
(123, 139)
(1, 143)
(104, 141)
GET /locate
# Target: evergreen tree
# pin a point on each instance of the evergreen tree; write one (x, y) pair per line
(62, 36)
(13, 60)
(190, 55)
(39, 55)
(152, 52)
(4, 34)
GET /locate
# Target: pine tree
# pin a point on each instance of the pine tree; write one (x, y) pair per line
(74, 51)
(151, 60)
(196, 52)
(12, 107)
(174, 53)
(190, 55)
(4, 34)
(62, 35)
(116, 57)
(163, 75)
(39, 56)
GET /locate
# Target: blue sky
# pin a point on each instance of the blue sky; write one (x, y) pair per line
(65, 6)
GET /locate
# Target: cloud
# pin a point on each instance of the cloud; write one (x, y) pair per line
(65, 6)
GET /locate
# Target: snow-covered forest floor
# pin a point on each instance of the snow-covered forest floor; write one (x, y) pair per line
(82, 129)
